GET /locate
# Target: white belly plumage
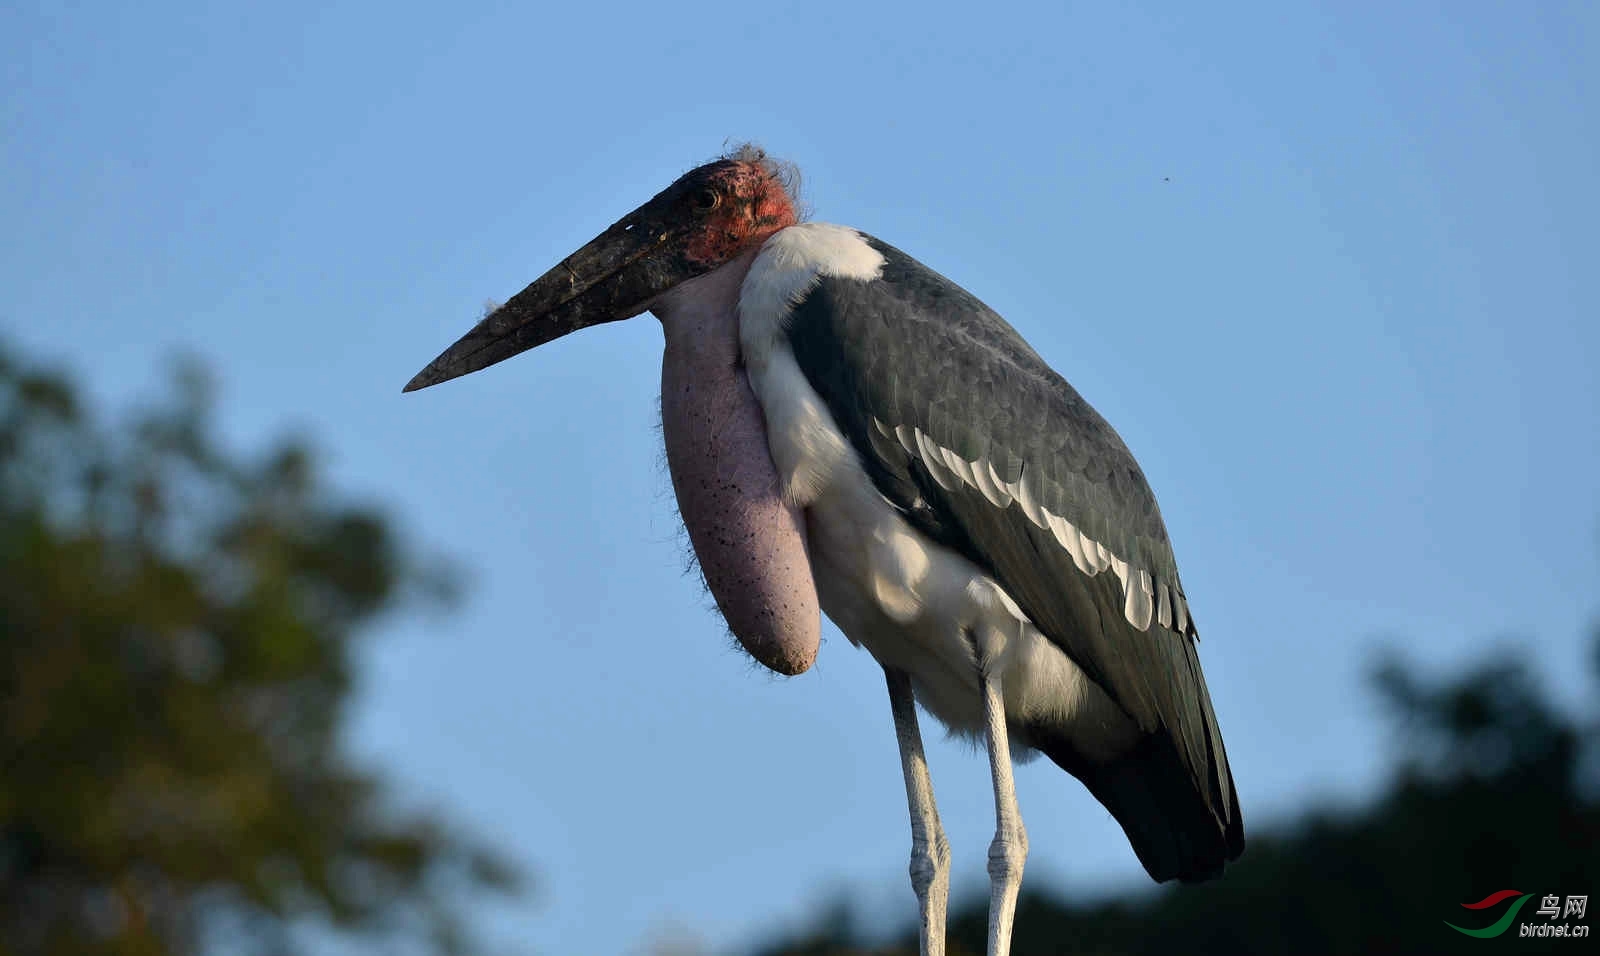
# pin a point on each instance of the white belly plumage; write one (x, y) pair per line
(915, 605)
(921, 608)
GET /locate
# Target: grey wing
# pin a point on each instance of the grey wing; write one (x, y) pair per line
(984, 447)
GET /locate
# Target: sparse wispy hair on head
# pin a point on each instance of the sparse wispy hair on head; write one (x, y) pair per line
(787, 174)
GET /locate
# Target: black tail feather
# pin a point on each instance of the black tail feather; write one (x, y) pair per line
(1177, 831)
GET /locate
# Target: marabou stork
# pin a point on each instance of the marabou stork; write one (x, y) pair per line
(846, 427)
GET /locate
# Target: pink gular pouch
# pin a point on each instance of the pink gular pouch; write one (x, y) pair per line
(750, 542)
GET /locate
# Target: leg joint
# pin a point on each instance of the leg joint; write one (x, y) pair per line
(930, 862)
(1008, 854)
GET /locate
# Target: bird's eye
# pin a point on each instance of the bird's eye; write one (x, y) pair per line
(706, 200)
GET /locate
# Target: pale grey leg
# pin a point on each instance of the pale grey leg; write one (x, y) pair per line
(1009, 850)
(930, 851)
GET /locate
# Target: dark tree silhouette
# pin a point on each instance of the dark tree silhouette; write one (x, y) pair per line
(176, 632)
(1496, 790)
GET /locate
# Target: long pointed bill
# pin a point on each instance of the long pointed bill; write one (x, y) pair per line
(613, 277)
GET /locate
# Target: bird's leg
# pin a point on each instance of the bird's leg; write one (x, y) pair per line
(1009, 850)
(930, 851)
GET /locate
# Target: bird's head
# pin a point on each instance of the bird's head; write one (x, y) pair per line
(710, 216)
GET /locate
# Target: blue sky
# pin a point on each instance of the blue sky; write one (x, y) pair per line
(1330, 270)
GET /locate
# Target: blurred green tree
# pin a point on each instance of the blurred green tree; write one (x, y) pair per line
(1496, 789)
(176, 635)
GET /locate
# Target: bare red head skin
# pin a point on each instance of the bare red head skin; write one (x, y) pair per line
(683, 255)
(749, 202)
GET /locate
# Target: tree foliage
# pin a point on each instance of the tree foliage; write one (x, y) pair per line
(176, 635)
(1495, 790)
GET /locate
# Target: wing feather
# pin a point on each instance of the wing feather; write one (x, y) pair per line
(965, 429)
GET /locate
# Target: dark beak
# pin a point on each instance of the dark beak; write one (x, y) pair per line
(615, 276)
